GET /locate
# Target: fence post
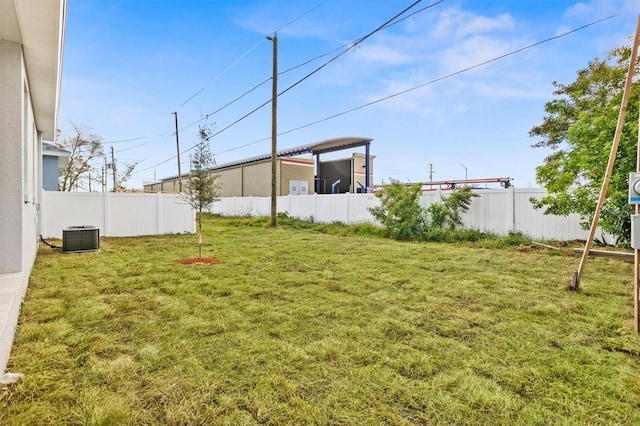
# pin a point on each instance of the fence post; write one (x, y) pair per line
(348, 208)
(105, 217)
(158, 213)
(513, 208)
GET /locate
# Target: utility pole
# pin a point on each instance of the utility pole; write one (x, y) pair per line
(113, 169)
(274, 131)
(105, 175)
(178, 150)
(430, 172)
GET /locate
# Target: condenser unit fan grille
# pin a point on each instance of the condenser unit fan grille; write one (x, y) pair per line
(80, 238)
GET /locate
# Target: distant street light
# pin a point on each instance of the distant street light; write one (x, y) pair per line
(465, 171)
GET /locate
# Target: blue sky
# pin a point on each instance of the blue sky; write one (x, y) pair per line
(129, 64)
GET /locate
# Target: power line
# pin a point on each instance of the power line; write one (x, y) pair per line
(346, 47)
(244, 55)
(513, 52)
(350, 43)
(350, 47)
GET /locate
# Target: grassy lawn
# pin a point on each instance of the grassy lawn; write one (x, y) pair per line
(304, 327)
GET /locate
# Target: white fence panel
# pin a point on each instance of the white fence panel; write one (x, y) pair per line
(498, 211)
(300, 206)
(242, 206)
(491, 212)
(115, 214)
(131, 215)
(59, 210)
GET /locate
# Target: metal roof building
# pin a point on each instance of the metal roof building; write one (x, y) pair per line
(296, 172)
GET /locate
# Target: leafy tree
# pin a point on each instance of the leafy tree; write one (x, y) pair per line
(85, 148)
(203, 188)
(579, 127)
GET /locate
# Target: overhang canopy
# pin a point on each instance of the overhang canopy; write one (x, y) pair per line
(329, 145)
(39, 27)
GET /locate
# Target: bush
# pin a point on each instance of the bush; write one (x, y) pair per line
(400, 213)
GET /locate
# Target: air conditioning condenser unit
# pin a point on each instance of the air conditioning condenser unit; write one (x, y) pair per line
(80, 238)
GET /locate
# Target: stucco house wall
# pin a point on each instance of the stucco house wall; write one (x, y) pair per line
(54, 160)
(31, 40)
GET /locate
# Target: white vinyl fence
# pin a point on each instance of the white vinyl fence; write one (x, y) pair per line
(499, 211)
(115, 214)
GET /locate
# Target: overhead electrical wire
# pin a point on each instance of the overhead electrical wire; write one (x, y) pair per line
(513, 52)
(497, 58)
(349, 46)
(345, 50)
(244, 55)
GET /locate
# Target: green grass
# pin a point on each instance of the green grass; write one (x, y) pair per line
(318, 326)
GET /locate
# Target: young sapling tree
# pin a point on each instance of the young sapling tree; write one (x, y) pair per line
(203, 188)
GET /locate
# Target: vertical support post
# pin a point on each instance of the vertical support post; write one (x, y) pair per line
(317, 173)
(274, 132)
(178, 154)
(575, 281)
(113, 169)
(367, 183)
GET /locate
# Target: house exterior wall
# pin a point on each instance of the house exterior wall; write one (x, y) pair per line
(30, 65)
(19, 163)
(49, 173)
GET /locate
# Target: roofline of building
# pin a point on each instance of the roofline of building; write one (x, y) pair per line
(329, 145)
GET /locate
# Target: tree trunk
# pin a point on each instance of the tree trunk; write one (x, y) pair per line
(200, 233)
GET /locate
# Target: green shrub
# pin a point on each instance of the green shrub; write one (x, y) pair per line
(400, 214)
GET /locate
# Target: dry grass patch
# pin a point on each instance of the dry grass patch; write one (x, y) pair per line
(300, 327)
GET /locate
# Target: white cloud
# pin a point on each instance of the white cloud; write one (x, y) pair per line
(460, 23)
(600, 8)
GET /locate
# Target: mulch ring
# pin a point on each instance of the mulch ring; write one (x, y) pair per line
(200, 261)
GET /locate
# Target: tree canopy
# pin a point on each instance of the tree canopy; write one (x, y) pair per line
(579, 128)
(85, 148)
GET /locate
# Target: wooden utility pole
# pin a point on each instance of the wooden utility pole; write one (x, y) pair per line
(575, 281)
(178, 151)
(113, 169)
(274, 132)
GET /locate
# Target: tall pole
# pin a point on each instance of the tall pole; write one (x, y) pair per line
(113, 169)
(106, 175)
(575, 279)
(274, 132)
(465, 171)
(178, 151)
